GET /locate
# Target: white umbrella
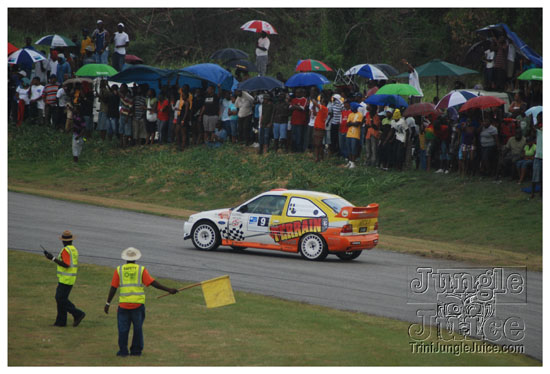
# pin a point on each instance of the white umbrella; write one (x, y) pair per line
(367, 71)
(25, 56)
(258, 26)
(534, 111)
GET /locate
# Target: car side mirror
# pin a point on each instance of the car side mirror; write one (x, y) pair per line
(243, 209)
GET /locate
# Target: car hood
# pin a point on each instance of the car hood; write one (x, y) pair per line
(217, 214)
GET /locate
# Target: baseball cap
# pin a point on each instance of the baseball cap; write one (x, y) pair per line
(99, 21)
(121, 24)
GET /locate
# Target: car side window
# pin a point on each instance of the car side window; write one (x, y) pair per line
(269, 204)
(300, 207)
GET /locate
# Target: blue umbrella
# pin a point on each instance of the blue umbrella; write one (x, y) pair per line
(367, 71)
(306, 79)
(395, 101)
(212, 73)
(25, 57)
(262, 83)
(534, 111)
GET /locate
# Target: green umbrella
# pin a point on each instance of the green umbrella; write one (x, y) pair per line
(531, 75)
(96, 70)
(398, 89)
(437, 68)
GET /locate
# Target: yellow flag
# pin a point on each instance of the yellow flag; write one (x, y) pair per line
(218, 292)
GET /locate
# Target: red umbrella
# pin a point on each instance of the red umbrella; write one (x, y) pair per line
(258, 26)
(482, 102)
(312, 65)
(133, 60)
(421, 109)
(11, 48)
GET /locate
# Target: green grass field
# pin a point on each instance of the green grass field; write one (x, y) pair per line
(496, 220)
(180, 331)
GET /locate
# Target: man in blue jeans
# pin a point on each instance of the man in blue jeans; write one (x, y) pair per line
(132, 279)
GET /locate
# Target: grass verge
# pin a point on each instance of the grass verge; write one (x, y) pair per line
(180, 331)
(432, 214)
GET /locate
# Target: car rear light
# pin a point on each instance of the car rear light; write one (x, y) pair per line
(347, 229)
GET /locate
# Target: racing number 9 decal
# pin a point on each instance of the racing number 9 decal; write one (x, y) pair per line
(263, 221)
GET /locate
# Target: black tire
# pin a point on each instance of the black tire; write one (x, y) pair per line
(313, 247)
(348, 256)
(237, 248)
(205, 236)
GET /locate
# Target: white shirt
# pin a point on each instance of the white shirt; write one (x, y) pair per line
(121, 38)
(511, 52)
(415, 81)
(490, 55)
(62, 97)
(36, 93)
(23, 94)
(312, 114)
(52, 66)
(400, 128)
(412, 123)
(263, 42)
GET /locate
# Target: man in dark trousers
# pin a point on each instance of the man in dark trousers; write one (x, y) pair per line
(132, 279)
(67, 268)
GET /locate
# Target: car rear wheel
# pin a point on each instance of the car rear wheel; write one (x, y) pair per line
(348, 256)
(313, 247)
(205, 236)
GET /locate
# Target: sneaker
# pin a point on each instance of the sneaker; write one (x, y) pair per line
(255, 145)
(446, 171)
(351, 165)
(439, 171)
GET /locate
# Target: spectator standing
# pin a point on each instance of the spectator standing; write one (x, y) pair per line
(233, 119)
(27, 65)
(414, 81)
(50, 101)
(182, 124)
(298, 120)
(140, 108)
(400, 130)
(121, 42)
(87, 107)
(262, 48)
(41, 70)
(537, 162)
(443, 135)
(209, 114)
(23, 95)
(421, 148)
(52, 63)
(489, 60)
(196, 125)
(343, 130)
(88, 57)
(319, 130)
(79, 128)
(224, 112)
(163, 115)
(488, 138)
(335, 115)
(372, 138)
(353, 136)
(313, 105)
(266, 124)
(103, 118)
(125, 119)
(385, 147)
(85, 43)
(113, 112)
(151, 116)
(63, 69)
(100, 37)
(501, 63)
(280, 121)
(510, 65)
(244, 103)
(37, 101)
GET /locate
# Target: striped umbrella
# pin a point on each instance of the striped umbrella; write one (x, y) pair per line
(55, 41)
(367, 71)
(311, 65)
(258, 26)
(454, 98)
(25, 55)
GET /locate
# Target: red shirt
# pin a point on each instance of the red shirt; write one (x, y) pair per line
(443, 133)
(162, 110)
(146, 279)
(344, 122)
(321, 118)
(298, 117)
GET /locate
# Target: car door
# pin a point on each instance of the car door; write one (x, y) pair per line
(251, 221)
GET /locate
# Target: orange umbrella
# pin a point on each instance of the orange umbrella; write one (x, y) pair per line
(482, 102)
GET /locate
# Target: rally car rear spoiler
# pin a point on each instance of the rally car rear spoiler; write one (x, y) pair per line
(353, 212)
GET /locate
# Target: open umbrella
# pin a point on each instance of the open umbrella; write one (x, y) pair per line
(96, 70)
(367, 71)
(482, 102)
(395, 101)
(55, 41)
(25, 56)
(262, 83)
(241, 64)
(311, 65)
(389, 70)
(437, 68)
(133, 60)
(306, 79)
(454, 98)
(398, 89)
(212, 73)
(77, 80)
(534, 111)
(534, 74)
(227, 54)
(421, 109)
(258, 26)
(11, 48)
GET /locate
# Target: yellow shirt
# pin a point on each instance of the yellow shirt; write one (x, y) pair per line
(354, 131)
(189, 99)
(86, 42)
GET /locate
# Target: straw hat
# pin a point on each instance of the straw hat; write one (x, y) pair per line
(67, 236)
(131, 254)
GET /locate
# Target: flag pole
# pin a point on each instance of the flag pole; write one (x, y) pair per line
(181, 289)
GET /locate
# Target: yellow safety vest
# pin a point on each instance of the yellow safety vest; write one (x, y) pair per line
(68, 275)
(131, 284)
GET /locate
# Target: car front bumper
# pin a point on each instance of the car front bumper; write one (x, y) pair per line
(187, 227)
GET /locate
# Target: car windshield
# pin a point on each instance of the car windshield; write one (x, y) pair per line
(337, 204)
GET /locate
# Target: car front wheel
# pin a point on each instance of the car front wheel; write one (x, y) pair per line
(205, 236)
(348, 256)
(313, 247)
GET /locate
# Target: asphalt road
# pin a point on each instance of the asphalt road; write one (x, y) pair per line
(378, 282)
